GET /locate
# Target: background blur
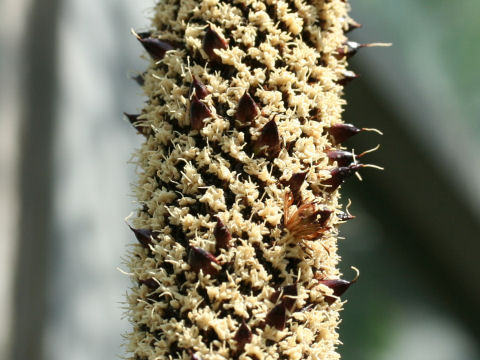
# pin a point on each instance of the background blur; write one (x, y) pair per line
(64, 181)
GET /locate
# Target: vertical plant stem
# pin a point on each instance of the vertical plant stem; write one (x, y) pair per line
(238, 185)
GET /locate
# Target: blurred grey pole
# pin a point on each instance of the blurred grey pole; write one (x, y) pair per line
(12, 28)
(92, 145)
(39, 84)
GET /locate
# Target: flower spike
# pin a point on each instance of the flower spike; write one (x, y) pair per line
(239, 170)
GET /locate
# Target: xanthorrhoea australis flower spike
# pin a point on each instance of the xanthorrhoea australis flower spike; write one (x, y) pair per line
(238, 196)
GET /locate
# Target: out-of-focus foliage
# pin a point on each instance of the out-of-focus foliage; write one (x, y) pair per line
(429, 81)
(435, 42)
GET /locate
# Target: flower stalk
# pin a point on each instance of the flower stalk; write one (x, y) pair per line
(239, 180)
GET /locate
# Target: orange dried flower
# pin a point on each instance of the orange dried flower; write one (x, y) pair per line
(307, 222)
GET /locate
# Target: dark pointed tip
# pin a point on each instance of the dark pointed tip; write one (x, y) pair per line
(212, 41)
(277, 317)
(295, 183)
(222, 235)
(338, 176)
(139, 79)
(323, 216)
(142, 34)
(199, 111)
(247, 109)
(347, 76)
(200, 259)
(348, 49)
(151, 283)
(342, 132)
(268, 143)
(155, 47)
(338, 286)
(342, 157)
(353, 25)
(198, 89)
(289, 294)
(133, 119)
(243, 335)
(144, 236)
(342, 216)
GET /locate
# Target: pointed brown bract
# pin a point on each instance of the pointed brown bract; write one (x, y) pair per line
(346, 158)
(144, 236)
(222, 235)
(199, 111)
(307, 222)
(156, 48)
(347, 76)
(268, 143)
(198, 89)
(133, 119)
(247, 109)
(200, 259)
(342, 157)
(243, 335)
(289, 293)
(348, 49)
(212, 41)
(295, 183)
(352, 25)
(139, 79)
(150, 283)
(342, 216)
(338, 286)
(277, 317)
(342, 132)
(338, 176)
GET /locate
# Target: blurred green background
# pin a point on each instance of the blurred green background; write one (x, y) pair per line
(64, 185)
(415, 238)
